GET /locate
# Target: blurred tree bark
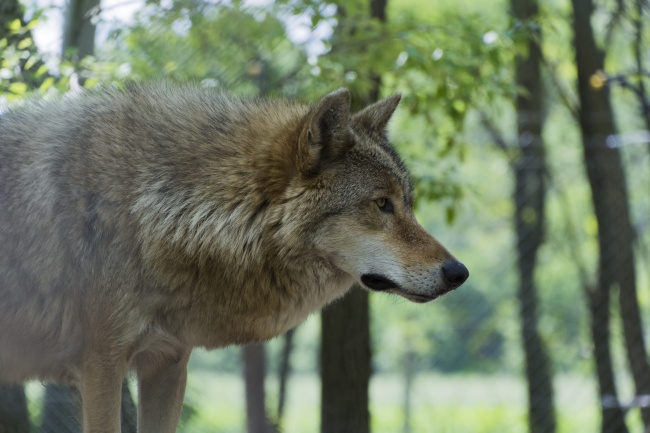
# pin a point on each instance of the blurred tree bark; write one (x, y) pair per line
(14, 417)
(640, 49)
(129, 411)
(530, 199)
(61, 410)
(345, 365)
(409, 378)
(78, 28)
(345, 343)
(283, 374)
(616, 265)
(254, 375)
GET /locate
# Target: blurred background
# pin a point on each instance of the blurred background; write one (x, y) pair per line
(526, 127)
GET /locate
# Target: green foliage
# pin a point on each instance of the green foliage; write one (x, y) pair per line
(23, 69)
(188, 40)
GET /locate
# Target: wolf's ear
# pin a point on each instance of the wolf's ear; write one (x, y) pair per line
(375, 117)
(326, 133)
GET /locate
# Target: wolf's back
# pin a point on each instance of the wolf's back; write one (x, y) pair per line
(71, 170)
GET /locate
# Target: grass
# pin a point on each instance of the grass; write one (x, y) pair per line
(440, 404)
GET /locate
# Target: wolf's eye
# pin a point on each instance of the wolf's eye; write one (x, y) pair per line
(384, 204)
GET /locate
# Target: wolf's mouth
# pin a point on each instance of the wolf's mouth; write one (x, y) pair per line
(419, 299)
(378, 282)
(381, 283)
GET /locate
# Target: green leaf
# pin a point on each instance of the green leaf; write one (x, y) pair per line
(451, 214)
(31, 61)
(47, 83)
(91, 82)
(15, 26)
(31, 24)
(42, 70)
(27, 42)
(459, 105)
(18, 88)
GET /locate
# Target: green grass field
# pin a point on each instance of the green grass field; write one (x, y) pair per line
(440, 404)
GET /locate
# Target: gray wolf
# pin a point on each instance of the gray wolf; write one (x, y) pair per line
(139, 223)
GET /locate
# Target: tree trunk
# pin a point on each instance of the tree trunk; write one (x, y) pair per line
(129, 411)
(530, 197)
(639, 50)
(14, 417)
(254, 375)
(345, 365)
(61, 410)
(283, 375)
(409, 378)
(616, 265)
(78, 29)
(345, 342)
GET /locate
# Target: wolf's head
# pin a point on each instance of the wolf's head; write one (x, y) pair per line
(362, 193)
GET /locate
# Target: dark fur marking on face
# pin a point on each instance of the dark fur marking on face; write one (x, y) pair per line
(405, 178)
(390, 150)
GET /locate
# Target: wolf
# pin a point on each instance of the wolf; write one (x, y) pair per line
(141, 222)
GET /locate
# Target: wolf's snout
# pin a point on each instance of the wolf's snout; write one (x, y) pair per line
(455, 273)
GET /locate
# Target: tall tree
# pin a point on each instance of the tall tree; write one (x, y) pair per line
(79, 28)
(61, 410)
(616, 265)
(284, 371)
(530, 198)
(129, 411)
(254, 375)
(14, 417)
(345, 343)
(345, 365)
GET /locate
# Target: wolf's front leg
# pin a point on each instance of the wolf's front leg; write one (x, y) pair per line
(161, 387)
(101, 393)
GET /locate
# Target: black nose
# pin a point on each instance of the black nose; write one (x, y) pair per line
(455, 273)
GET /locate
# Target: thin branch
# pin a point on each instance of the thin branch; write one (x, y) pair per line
(569, 99)
(638, 55)
(571, 232)
(495, 135)
(616, 19)
(639, 92)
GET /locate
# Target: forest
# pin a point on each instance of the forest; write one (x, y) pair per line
(525, 125)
